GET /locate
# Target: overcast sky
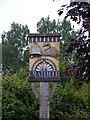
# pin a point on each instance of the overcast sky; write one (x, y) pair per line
(27, 12)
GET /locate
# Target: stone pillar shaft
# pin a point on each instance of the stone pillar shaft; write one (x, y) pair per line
(44, 100)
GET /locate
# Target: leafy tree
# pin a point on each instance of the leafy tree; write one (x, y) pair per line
(78, 11)
(15, 48)
(66, 32)
(45, 25)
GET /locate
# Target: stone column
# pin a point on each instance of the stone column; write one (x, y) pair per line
(44, 100)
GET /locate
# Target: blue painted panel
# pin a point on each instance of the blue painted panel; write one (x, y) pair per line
(44, 74)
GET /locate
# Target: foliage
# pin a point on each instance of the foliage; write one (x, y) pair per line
(66, 32)
(45, 25)
(78, 11)
(15, 48)
(69, 102)
(18, 100)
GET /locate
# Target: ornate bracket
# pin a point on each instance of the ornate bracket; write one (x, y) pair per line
(35, 92)
(53, 90)
(38, 95)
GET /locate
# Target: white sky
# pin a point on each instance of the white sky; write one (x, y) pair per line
(27, 12)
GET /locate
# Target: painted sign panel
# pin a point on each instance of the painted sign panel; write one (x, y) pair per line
(44, 56)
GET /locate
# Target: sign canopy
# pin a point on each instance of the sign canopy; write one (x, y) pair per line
(44, 57)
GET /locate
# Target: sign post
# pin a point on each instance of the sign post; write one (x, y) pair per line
(44, 100)
(44, 67)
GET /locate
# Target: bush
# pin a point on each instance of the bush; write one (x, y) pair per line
(19, 102)
(69, 102)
